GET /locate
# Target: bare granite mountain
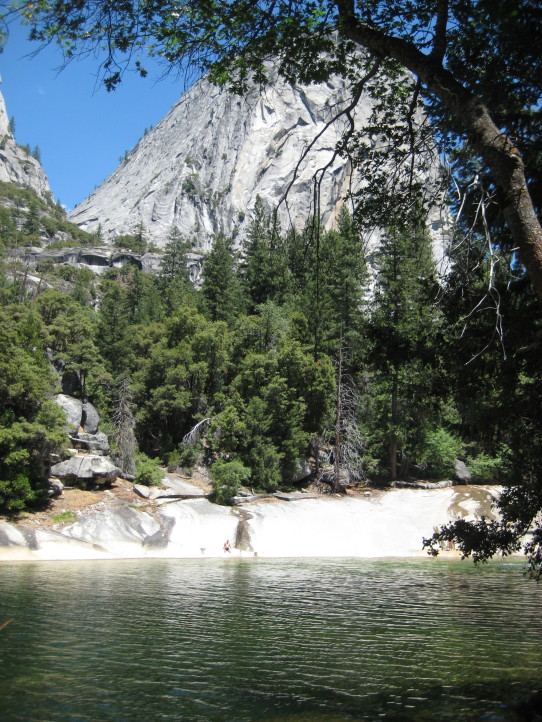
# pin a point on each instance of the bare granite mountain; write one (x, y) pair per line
(17, 165)
(203, 166)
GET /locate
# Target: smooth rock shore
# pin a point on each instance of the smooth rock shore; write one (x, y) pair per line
(386, 524)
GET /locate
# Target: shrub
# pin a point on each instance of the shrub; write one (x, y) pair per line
(485, 468)
(440, 450)
(227, 477)
(185, 457)
(15, 493)
(64, 517)
(148, 471)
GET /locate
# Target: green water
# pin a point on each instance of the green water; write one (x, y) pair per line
(323, 640)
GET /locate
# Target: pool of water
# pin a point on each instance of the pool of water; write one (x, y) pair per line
(267, 639)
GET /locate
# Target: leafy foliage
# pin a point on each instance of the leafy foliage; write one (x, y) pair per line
(228, 477)
(148, 471)
(31, 426)
(441, 449)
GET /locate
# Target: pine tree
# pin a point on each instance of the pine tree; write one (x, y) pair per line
(265, 274)
(32, 224)
(403, 331)
(221, 289)
(114, 326)
(140, 240)
(343, 287)
(174, 277)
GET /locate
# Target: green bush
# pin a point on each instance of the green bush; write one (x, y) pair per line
(440, 450)
(484, 468)
(185, 457)
(148, 471)
(64, 516)
(15, 493)
(129, 242)
(227, 477)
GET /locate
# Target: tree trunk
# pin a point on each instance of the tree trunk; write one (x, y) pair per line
(394, 421)
(496, 148)
(338, 421)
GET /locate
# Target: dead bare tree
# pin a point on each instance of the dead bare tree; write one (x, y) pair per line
(124, 438)
(194, 435)
(348, 440)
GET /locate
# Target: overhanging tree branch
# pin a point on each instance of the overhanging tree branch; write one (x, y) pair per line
(496, 148)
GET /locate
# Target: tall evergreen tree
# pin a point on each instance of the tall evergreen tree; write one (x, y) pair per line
(221, 289)
(265, 273)
(344, 286)
(113, 333)
(403, 330)
(32, 224)
(174, 277)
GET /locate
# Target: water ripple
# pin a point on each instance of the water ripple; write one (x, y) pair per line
(266, 639)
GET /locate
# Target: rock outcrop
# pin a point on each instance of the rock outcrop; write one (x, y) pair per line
(17, 165)
(101, 259)
(73, 409)
(172, 488)
(86, 469)
(89, 465)
(390, 524)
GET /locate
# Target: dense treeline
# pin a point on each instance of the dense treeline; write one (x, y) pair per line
(305, 342)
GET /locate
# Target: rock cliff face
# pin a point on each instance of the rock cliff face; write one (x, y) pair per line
(16, 164)
(205, 163)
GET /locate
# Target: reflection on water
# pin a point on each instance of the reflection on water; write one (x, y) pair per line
(321, 640)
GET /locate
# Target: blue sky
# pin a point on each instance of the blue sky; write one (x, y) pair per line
(80, 128)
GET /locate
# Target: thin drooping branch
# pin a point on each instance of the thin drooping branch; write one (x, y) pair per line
(411, 132)
(492, 296)
(345, 112)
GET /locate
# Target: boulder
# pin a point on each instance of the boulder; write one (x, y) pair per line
(303, 471)
(237, 500)
(97, 443)
(90, 418)
(142, 490)
(74, 411)
(87, 469)
(56, 487)
(461, 473)
(293, 496)
(174, 489)
(421, 484)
